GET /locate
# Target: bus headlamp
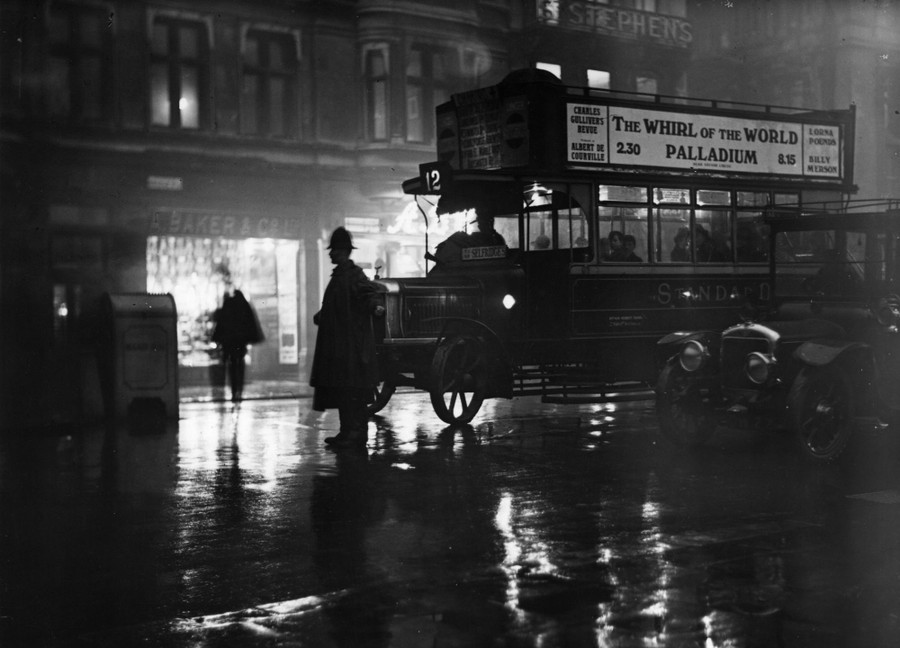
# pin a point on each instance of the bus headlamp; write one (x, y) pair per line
(693, 356)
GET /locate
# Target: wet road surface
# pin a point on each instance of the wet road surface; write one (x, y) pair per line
(537, 526)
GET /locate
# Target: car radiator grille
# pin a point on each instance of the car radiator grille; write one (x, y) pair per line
(424, 315)
(733, 354)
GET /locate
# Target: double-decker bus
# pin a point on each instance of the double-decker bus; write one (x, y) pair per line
(623, 217)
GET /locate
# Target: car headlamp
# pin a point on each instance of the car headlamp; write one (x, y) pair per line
(508, 301)
(693, 355)
(758, 367)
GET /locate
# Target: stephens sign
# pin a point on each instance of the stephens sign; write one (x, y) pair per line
(603, 135)
(615, 22)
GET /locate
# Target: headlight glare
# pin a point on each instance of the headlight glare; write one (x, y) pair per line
(693, 355)
(758, 368)
(509, 301)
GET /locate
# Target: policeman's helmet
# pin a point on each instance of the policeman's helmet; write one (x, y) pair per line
(341, 240)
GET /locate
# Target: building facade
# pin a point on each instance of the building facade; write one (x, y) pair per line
(825, 54)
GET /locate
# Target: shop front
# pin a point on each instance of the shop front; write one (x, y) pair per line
(195, 255)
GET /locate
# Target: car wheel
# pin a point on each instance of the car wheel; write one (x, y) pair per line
(685, 415)
(459, 379)
(820, 406)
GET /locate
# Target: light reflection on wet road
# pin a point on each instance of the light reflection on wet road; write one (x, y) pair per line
(537, 526)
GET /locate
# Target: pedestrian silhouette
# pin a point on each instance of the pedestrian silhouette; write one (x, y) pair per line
(236, 326)
(344, 370)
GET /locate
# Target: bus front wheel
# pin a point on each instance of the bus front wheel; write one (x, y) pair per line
(459, 378)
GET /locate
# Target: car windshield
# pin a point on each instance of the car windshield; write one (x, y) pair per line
(834, 263)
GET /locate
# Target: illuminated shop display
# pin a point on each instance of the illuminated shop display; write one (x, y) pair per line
(194, 270)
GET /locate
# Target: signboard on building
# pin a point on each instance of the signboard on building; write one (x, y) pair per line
(604, 19)
(179, 222)
(599, 135)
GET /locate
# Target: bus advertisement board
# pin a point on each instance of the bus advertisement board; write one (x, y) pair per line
(599, 135)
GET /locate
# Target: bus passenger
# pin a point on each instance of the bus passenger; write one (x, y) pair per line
(709, 251)
(681, 251)
(629, 243)
(486, 234)
(604, 249)
(616, 246)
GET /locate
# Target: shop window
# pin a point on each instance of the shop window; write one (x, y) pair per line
(553, 68)
(268, 90)
(178, 73)
(196, 271)
(427, 76)
(377, 93)
(598, 79)
(80, 63)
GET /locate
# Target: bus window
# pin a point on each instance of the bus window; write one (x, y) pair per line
(539, 230)
(787, 199)
(712, 236)
(617, 223)
(663, 196)
(574, 230)
(752, 238)
(617, 193)
(753, 199)
(672, 228)
(508, 227)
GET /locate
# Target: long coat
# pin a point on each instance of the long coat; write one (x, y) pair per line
(236, 323)
(345, 356)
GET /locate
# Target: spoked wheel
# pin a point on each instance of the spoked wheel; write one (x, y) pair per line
(821, 409)
(685, 416)
(458, 374)
(381, 395)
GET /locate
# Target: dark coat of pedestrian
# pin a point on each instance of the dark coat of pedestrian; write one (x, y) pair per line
(236, 327)
(344, 370)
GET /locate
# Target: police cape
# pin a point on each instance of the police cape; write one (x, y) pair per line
(345, 344)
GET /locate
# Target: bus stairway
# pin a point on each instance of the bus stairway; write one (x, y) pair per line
(556, 385)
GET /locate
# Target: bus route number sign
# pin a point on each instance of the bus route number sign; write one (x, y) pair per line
(435, 177)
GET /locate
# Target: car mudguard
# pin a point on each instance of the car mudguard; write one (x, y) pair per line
(819, 353)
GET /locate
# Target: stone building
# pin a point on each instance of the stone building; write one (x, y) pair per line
(822, 54)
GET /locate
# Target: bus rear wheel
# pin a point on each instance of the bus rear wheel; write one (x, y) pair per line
(459, 379)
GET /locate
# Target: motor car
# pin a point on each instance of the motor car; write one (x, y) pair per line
(821, 358)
